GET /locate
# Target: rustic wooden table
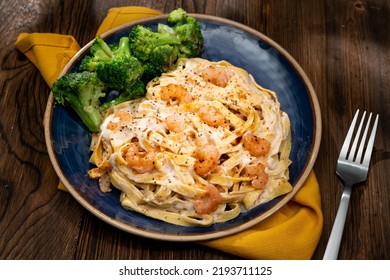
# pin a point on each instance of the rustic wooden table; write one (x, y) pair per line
(342, 45)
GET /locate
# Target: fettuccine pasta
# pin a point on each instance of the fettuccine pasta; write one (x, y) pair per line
(205, 144)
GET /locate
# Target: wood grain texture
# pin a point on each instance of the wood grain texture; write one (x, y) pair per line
(342, 45)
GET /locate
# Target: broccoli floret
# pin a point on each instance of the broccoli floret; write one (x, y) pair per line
(143, 40)
(136, 91)
(81, 91)
(177, 16)
(159, 51)
(188, 30)
(121, 72)
(162, 59)
(101, 52)
(88, 63)
(191, 38)
(113, 63)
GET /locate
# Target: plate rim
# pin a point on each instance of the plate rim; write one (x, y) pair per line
(317, 131)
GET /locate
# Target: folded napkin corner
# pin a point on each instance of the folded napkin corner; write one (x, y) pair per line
(48, 52)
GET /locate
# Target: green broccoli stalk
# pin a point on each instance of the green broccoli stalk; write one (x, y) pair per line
(123, 48)
(81, 91)
(136, 91)
(143, 40)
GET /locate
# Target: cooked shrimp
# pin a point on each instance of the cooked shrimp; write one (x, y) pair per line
(120, 118)
(257, 172)
(211, 116)
(256, 146)
(175, 94)
(215, 75)
(175, 123)
(206, 159)
(141, 162)
(209, 203)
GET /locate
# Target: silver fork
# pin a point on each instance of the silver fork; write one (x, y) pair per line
(352, 167)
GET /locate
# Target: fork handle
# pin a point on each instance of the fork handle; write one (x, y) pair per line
(332, 249)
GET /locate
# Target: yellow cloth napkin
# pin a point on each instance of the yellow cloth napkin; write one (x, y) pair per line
(291, 233)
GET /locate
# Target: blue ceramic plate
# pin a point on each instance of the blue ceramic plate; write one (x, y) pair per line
(272, 67)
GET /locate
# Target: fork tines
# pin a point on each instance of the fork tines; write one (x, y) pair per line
(348, 151)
